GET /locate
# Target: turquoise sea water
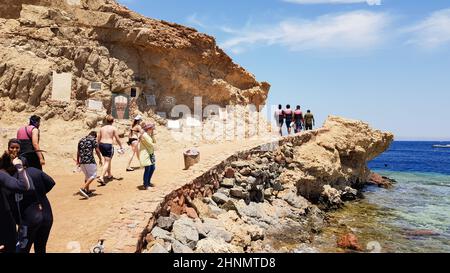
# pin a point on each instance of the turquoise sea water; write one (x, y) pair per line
(413, 216)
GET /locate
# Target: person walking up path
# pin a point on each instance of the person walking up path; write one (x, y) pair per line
(86, 161)
(105, 138)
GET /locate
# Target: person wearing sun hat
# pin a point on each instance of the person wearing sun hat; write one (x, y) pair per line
(133, 140)
(147, 153)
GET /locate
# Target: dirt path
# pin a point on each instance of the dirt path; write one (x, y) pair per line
(80, 223)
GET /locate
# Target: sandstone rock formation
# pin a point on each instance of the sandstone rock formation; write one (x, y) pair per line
(102, 41)
(269, 196)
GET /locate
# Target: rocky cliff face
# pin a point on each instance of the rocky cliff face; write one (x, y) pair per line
(102, 41)
(270, 198)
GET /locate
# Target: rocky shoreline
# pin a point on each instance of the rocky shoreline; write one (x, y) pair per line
(269, 199)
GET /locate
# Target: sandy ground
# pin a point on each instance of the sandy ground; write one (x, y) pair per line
(80, 223)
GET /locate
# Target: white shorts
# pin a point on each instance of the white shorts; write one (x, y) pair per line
(89, 170)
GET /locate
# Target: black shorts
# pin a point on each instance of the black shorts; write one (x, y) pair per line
(107, 150)
(308, 126)
(131, 140)
(280, 122)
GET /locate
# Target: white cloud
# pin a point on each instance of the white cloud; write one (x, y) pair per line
(304, 2)
(433, 32)
(193, 20)
(346, 31)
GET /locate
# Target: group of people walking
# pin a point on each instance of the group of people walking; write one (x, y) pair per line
(141, 140)
(26, 216)
(294, 119)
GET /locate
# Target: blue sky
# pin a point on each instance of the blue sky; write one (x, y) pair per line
(386, 62)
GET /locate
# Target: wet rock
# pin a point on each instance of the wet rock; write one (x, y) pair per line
(349, 194)
(316, 219)
(349, 241)
(380, 181)
(220, 198)
(422, 233)
(331, 197)
(228, 182)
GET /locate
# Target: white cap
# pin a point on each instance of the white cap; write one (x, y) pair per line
(138, 117)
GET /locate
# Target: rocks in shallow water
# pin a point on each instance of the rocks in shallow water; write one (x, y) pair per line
(228, 182)
(220, 198)
(422, 233)
(349, 194)
(380, 181)
(316, 219)
(185, 231)
(349, 241)
(331, 197)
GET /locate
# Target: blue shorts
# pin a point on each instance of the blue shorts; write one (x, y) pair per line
(107, 150)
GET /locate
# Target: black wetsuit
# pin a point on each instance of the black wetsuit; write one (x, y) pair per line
(288, 116)
(39, 232)
(8, 233)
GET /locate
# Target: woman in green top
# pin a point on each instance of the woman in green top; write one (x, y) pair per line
(147, 153)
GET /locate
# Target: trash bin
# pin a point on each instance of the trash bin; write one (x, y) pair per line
(191, 157)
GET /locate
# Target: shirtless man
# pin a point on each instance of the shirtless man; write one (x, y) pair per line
(105, 141)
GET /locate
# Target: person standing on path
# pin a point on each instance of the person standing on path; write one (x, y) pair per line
(279, 118)
(298, 119)
(147, 153)
(29, 137)
(105, 139)
(288, 115)
(133, 140)
(309, 120)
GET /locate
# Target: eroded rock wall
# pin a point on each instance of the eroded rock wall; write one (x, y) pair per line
(102, 41)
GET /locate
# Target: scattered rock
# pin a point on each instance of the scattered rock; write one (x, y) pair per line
(184, 230)
(239, 192)
(165, 223)
(191, 213)
(220, 198)
(349, 194)
(179, 248)
(245, 171)
(157, 249)
(228, 182)
(380, 181)
(229, 173)
(349, 241)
